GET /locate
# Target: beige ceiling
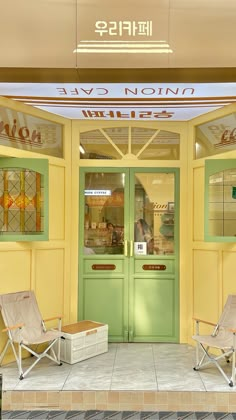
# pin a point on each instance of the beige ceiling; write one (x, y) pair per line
(44, 33)
(39, 38)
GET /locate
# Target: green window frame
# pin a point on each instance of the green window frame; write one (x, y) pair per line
(220, 200)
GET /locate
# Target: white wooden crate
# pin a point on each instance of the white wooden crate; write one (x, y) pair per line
(82, 340)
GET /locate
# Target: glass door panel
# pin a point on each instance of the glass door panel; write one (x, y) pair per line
(104, 213)
(154, 213)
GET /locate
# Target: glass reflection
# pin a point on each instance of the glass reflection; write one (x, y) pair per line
(222, 203)
(154, 214)
(104, 213)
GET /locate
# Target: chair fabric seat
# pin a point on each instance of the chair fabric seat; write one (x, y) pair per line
(44, 337)
(216, 342)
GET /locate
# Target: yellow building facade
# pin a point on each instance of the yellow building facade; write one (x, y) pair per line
(50, 268)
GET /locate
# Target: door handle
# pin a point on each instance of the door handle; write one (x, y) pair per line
(131, 335)
(126, 248)
(126, 334)
(131, 248)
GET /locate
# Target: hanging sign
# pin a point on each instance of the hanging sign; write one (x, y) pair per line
(128, 101)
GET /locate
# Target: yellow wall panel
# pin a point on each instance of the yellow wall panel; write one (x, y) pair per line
(198, 204)
(205, 285)
(15, 276)
(56, 202)
(15, 271)
(49, 281)
(44, 267)
(228, 270)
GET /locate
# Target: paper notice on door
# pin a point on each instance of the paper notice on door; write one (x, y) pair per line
(140, 248)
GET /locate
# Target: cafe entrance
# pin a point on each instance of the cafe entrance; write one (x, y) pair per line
(129, 252)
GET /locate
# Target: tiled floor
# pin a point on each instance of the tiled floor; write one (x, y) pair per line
(138, 377)
(129, 367)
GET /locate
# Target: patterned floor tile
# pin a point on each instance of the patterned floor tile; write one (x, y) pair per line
(114, 415)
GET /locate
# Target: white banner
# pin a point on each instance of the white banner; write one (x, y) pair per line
(119, 101)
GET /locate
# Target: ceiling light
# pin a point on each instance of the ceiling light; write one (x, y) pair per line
(144, 47)
(81, 149)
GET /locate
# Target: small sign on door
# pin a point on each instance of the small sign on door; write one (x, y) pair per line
(140, 248)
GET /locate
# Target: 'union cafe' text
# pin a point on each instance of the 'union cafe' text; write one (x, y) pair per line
(126, 92)
(20, 134)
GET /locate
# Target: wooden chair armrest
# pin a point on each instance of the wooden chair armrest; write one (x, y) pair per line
(233, 330)
(13, 327)
(204, 322)
(52, 318)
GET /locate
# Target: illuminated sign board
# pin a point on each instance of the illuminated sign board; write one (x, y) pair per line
(119, 101)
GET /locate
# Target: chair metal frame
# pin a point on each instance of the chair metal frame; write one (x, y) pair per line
(224, 328)
(50, 336)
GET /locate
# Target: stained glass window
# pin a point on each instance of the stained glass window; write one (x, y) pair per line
(22, 202)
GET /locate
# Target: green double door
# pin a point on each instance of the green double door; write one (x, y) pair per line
(128, 252)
